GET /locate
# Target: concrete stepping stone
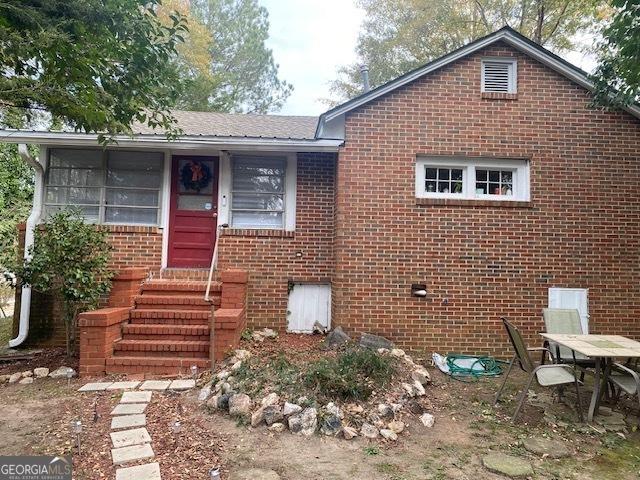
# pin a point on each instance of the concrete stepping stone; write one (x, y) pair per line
(95, 387)
(123, 386)
(508, 465)
(126, 438)
(128, 421)
(129, 408)
(182, 384)
(155, 385)
(136, 397)
(545, 447)
(133, 453)
(149, 471)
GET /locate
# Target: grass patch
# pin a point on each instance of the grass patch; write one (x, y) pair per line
(349, 375)
(371, 451)
(6, 329)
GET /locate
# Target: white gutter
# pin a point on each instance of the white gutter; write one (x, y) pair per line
(32, 221)
(181, 143)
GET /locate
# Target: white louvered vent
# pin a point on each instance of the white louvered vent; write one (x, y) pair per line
(499, 76)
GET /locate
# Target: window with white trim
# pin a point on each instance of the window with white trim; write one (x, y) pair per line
(499, 75)
(477, 178)
(113, 187)
(258, 191)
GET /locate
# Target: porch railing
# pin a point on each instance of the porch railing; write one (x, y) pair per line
(214, 260)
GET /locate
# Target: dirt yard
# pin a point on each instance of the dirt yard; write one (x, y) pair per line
(36, 420)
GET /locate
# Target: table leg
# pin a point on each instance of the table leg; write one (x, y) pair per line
(605, 378)
(593, 406)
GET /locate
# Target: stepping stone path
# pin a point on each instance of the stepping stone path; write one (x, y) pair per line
(513, 467)
(134, 443)
(546, 447)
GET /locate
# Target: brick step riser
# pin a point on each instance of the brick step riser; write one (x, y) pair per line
(179, 293)
(197, 330)
(165, 336)
(146, 369)
(156, 305)
(164, 354)
(168, 314)
(169, 321)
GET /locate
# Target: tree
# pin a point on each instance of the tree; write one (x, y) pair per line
(400, 35)
(98, 65)
(69, 260)
(240, 75)
(617, 77)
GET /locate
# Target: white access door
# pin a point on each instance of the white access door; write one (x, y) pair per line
(309, 304)
(577, 298)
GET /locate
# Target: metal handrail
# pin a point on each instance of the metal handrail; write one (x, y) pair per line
(214, 260)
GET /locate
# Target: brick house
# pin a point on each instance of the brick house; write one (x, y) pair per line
(483, 178)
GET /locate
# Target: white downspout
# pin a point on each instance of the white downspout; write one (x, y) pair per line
(32, 221)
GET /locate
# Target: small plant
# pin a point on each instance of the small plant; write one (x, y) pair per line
(69, 259)
(371, 451)
(247, 334)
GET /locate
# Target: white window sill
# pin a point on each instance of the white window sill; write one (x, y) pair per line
(473, 202)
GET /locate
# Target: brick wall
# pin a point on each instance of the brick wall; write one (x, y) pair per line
(275, 258)
(479, 261)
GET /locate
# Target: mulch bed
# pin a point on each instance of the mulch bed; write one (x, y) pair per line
(50, 358)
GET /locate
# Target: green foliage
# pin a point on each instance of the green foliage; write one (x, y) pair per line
(242, 76)
(69, 259)
(16, 192)
(278, 375)
(97, 65)
(351, 375)
(400, 35)
(617, 77)
(372, 450)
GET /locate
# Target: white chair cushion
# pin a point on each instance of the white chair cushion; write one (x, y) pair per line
(554, 376)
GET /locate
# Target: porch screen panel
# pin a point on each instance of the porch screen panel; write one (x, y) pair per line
(121, 187)
(258, 190)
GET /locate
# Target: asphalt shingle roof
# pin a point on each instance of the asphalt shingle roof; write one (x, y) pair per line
(240, 125)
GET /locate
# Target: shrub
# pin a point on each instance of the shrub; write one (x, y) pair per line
(69, 259)
(351, 375)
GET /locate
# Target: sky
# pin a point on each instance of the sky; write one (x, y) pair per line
(311, 39)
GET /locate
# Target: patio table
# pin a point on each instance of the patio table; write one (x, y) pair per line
(603, 349)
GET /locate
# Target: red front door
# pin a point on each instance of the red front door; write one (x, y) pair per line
(194, 211)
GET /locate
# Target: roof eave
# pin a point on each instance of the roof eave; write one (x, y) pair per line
(180, 143)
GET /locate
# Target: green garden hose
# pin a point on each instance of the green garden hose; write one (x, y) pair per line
(490, 367)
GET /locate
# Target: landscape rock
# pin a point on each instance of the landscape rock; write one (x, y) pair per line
(62, 372)
(427, 420)
(4, 378)
(418, 389)
(27, 373)
(226, 388)
(388, 434)
(305, 422)
(213, 401)
(414, 407)
(409, 389)
(278, 427)
(291, 409)
(15, 377)
(223, 374)
(385, 411)
(272, 414)
(236, 366)
(241, 355)
(331, 425)
(375, 342)
(257, 417)
(333, 409)
(41, 372)
(223, 401)
(545, 447)
(240, 405)
(368, 431)
(335, 339)
(397, 352)
(270, 399)
(349, 432)
(508, 465)
(26, 380)
(396, 426)
(375, 419)
(269, 333)
(204, 393)
(421, 375)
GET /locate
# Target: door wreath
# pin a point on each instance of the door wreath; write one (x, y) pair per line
(195, 175)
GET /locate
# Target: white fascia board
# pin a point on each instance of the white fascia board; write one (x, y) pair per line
(531, 50)
(182, 143)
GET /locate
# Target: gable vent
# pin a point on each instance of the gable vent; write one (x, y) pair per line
(499, 76)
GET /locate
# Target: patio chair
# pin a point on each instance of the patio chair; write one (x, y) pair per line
(626, 380)
(554, 375)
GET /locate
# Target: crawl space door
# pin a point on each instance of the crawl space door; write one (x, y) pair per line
(308, 304)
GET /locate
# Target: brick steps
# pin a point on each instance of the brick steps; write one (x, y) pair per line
(154, 365)
(171, 287)
(160, 346)
(151, 331)
(162, 316)
(172, 302)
